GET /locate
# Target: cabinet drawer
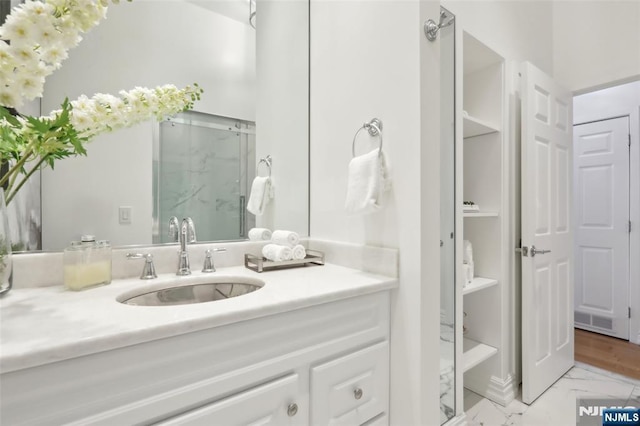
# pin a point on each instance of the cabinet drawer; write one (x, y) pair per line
(267, 404)
(352, 389)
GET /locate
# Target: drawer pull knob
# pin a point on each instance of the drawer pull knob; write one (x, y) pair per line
(292, 409)
(357, 393)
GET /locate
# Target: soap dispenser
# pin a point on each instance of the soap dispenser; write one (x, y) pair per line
(87, 263)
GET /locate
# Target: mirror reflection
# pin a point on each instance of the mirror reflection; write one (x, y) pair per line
(250, 58)
(447, 217)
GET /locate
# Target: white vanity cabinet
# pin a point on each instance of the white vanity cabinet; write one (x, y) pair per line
(327, 363)
(274, 403)
(352, 389)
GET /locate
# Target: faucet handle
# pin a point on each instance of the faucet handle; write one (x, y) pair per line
(174, 228)
(208, 260)
(149, 270)
(191, 230)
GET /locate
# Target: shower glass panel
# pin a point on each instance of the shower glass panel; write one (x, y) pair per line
(201, 170)
(447, 217)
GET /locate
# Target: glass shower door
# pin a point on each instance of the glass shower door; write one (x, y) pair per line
(201, 172)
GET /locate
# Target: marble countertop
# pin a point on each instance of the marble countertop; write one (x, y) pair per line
(44, 325)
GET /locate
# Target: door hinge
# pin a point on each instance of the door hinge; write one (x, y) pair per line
(629, 140)
(629, 226)
(629, 314)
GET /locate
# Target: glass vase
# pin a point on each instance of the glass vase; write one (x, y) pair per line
(6, 262)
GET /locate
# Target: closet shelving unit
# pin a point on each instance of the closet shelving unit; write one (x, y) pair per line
(480, 214)
(482, 154)
(478, 284)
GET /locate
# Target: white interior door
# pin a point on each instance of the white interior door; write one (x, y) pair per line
(601, 194)
(547, 265)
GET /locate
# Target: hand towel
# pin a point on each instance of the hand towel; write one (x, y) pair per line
(285, 238)
(299, 252)
(367, 181)
(260, 195)
(259, 234)
(276, 253)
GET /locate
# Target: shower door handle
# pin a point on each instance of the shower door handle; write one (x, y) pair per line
(243, 215)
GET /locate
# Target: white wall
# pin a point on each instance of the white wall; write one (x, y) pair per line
(143, 43)
(282, 110)
(370, 59)
(607, 103)
(615, 102)
(595, 42)
(517, 30)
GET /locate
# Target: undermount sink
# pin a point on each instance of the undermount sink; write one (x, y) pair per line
(187, 294)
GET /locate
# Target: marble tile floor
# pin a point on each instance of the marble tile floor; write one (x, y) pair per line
(557, 406)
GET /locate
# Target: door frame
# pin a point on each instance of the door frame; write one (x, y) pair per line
(634, 214)
(634, 237)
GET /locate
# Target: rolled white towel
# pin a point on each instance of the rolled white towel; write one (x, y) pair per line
(299, 252)
(277, 253)
(259, 234)
(285, 238)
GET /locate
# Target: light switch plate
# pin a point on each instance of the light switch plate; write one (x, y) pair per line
(124, 215)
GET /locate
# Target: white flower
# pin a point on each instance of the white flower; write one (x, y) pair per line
(23, 55)
(5, 55)
(30, 86)
(9, 98)
(40, 33)
(54, 56)
(104, 112)
(45, 33)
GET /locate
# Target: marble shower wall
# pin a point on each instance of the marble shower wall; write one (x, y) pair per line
(203, 173)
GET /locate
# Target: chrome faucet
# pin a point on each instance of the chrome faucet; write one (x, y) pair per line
(173, 228)
(187, 235)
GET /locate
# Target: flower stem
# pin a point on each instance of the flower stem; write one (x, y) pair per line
(13, 171)
(25, 179)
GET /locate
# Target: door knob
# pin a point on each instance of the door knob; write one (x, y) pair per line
(535, 251)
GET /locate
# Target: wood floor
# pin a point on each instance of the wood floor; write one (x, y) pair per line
(608, 353)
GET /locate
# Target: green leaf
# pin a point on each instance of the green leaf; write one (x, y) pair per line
(40, 125)
(4, 113)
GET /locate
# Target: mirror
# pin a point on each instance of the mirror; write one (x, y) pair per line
(199, 163)
(447, 218)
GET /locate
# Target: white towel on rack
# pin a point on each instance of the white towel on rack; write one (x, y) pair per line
(298, 252)
(367, 181)
(285, 238)
(259, 234)
(261, 193)
(277, 253)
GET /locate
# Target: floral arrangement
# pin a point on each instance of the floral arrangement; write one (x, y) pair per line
(34, 41)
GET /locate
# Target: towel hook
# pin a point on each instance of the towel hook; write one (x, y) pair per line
(374, 127)
(268, 161)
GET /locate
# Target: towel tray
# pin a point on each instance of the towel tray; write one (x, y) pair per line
(260, 264)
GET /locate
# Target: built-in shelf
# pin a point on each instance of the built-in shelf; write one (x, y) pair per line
(474, 353)
(475, 127)
(478, 283)
(480, 214)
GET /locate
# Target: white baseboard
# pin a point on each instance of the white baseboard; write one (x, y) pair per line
(459, 420)
(497, 390)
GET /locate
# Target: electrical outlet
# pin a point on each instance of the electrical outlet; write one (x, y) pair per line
(125, 215)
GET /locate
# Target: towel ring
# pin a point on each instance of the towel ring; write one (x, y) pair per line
(374, 127)
(268, 161)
